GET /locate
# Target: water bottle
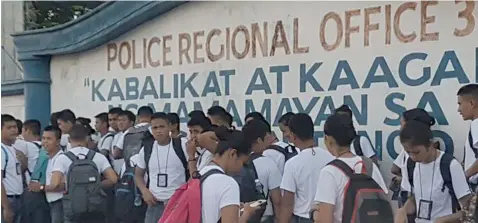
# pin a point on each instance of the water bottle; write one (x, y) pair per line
(259, 187)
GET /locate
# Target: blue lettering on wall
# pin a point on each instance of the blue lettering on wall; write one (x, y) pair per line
(457, 72)
(402, 70)
(263, 84)
(307, 76)
(279, 70)
(349, 78)
(387, 76)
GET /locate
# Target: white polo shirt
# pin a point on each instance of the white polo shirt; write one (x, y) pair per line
(218, 191)
(270, 178)
(277, 156)
(31, 151)
(332, 183)
(164, 161)
(365, 145)
(65, 141)
(469, 154)
(117, 163)
(204, 158)
(301, 174)
(52, 196)
(13, 178)
(428, 183)
(62, 163)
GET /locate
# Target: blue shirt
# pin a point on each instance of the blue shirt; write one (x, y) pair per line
(39, 172)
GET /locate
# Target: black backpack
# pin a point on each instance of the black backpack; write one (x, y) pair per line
(147, 143)
(84, 198)
(129, 205)
(445, 162)
(288, 152)
(358, 147)
(249, 189)
(364, 200)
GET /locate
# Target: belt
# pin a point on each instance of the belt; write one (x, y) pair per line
(14, 196)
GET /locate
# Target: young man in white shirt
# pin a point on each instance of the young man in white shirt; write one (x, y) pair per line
(301, 172)
(331, 187)
(437, 181)
(106, 140)
(143, 119)
(284, 125)
(165, 169)
(12, 186)
(468, 109)
(66, 120)
(113, 114)
(257, 132)
(79, 140)
(174, 122)
(51, 142)
(196, 126)
(31, 143)
(365, 146)
(125, 121)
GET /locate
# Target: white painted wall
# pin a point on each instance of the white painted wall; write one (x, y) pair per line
(74, 76)
(14, 105)
(12, 22)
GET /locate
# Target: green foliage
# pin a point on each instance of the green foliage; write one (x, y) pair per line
(44, 14)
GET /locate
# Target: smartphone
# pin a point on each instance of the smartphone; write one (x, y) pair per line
(258, 203)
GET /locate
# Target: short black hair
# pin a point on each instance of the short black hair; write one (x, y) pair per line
(160, 115)
(420, 115)
(130, 115)
(79, 132)
(416, 133)
(103, 117)
(469, 90)
(344, 109)
(220, 112)
(285, 118)
(255, 129)
(67, 116)
(255, 115)
(302, 126)
(173, 118)
(86, 123)
(19, 126)
(231, 139)
(115, 111)
(7, 118)
(55, 130)
(196, 113)
(54, 118)
(145, 111)
(202, 122)
(340, 127)
(33, 125)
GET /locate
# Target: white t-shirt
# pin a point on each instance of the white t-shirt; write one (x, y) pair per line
(428, 183)
(332, 182)
(65, 141)
(164, 161)
(13, 178)
(120, 142)
(204, 158)
(62, 163)
(31, 151)
(401, 160)
(52, 196)
(106, 142)
(301, 174)
(277, 156)
(117, 163)
(270, 178)
(469, 154)
(367, 148)
(218, 191)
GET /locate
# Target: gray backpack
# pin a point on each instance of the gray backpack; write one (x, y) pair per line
(85, 197)
(133, 139)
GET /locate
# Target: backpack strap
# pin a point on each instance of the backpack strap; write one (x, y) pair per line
(470, 141)
(4, 171)
(178, 149)
(410, 169)
(38, 145)
(147, 143)
(71, 156)
(343, 167)
(445, 163)
(368, 164)
(91, 153)
(203, 177)
(357, 146)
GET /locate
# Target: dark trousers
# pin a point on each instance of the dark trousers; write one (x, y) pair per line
(56, 212)
(297, 219)
(15, 204)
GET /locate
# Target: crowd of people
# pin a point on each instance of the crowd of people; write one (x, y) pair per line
(142, 168)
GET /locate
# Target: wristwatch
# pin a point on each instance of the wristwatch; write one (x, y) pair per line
(42, 188)
(192, 160)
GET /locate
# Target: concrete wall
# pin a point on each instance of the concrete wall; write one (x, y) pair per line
(12, 21)
(380, 58)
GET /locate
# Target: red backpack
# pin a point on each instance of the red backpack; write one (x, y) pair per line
(185, 204)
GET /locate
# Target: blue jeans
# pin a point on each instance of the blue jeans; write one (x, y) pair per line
(15, 205)
(56, 211)
(154, 213)
(297, 219)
